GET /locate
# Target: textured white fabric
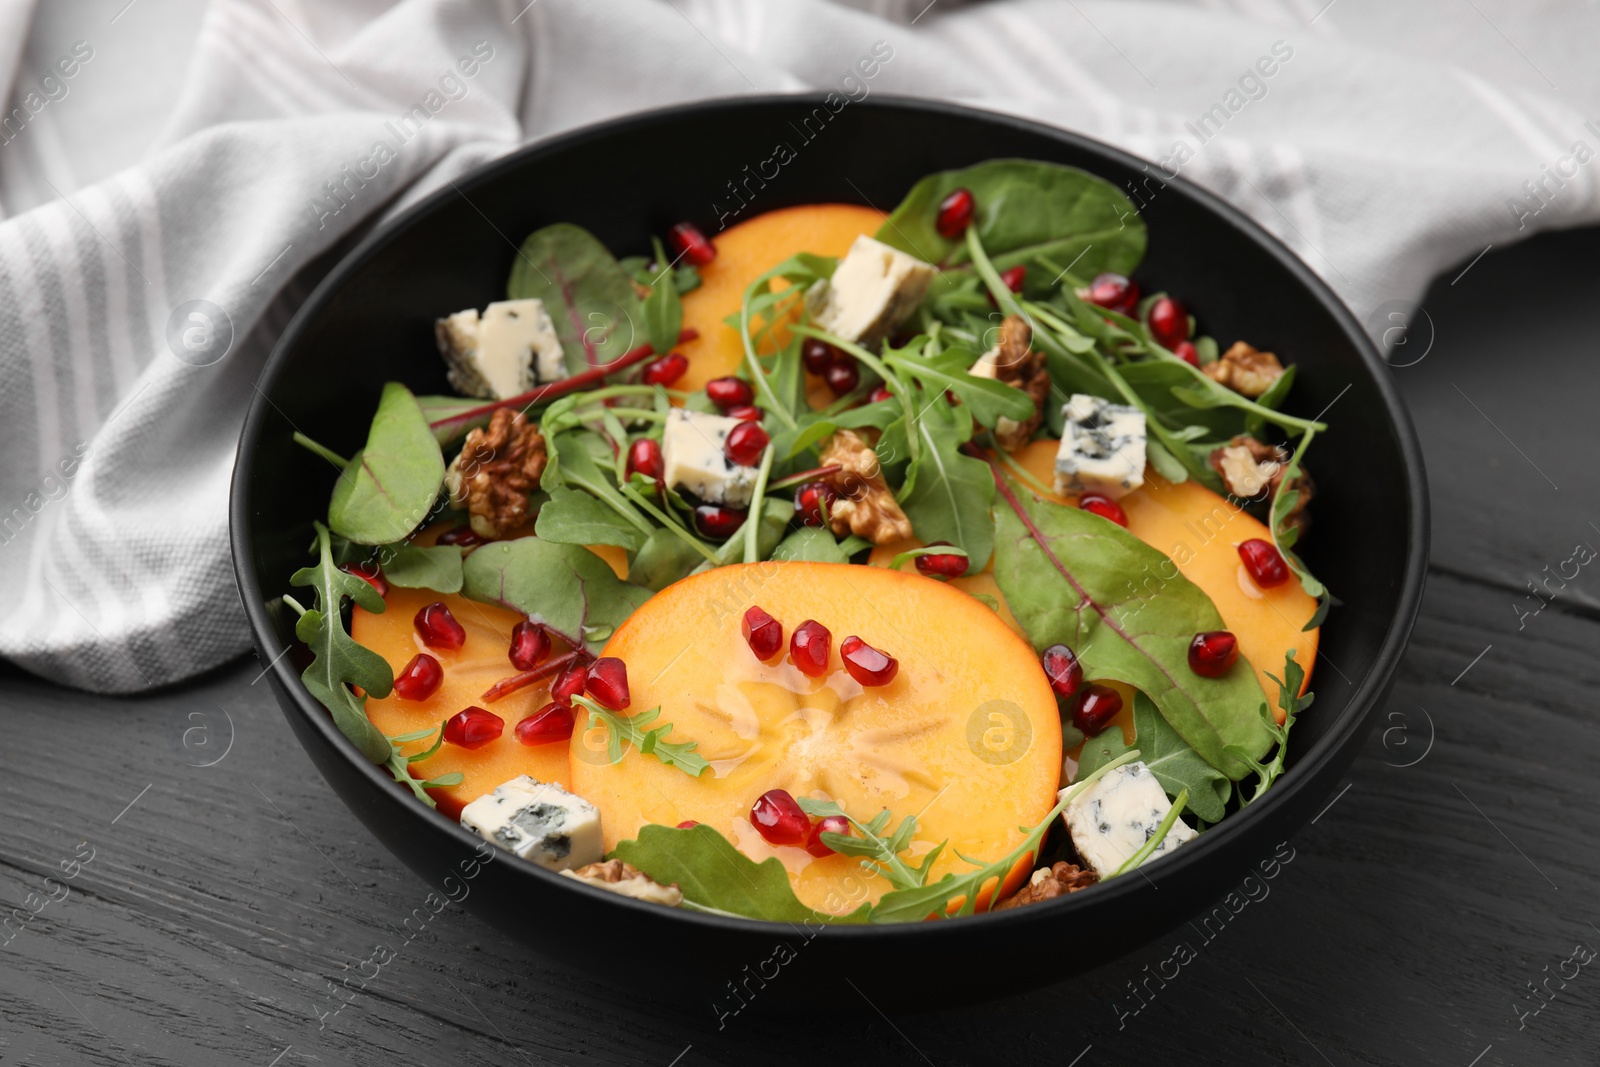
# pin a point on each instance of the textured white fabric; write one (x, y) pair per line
(185, 157)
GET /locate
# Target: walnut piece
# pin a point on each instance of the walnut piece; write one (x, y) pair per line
(866, 505)
(1017, 365)
(496, 470)
(1048, 883)
(1249, 466)
(627, 880)
(1245, 370)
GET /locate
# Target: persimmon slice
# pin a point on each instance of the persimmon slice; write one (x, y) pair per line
(966, 737)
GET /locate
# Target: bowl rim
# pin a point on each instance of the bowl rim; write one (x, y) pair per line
(1370, 688)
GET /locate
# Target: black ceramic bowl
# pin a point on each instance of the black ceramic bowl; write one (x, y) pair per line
(371, 320)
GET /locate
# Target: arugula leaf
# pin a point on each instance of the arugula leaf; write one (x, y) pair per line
(573, 517)
(1292, 704)
(1073, 578)
(716, 877)
(988, 399)
(1284, 535)
(625, 730)
(589, 296)
(573, 464)
(1176, 766)
(569, 589)
(415, 567)
(811, 543)
(391, 484)
(663, 315)
(1027, 212)
(869, 842)
(662, 559)
(775, 516)
(948, 494)
(338, 661)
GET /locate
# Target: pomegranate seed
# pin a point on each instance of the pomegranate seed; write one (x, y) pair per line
(644, 457)
(473, 727)
(369, 573)
(687, 824)
(866, 664)
(438, 628)
(880, 394)
(419, 679)
(1104, 507)
(942, 564)
(745, 444)
(549, 724)
(828, 824)
(763, 633)
(568, 684)
(1115, 291)
(813, 500)
(687, 240)
(729, 392)
(666, 370)
(462, 535)
(608, 683)
(1169, 322)
(955, 214)
(1098, 707)
(778, 818)
(1187, 352)
(746, 413)
(818, 355)
(1212, 654)
(1013, 279)
(809, 646)
(530, 645)
(717, 522)
(1061, 666)
(1265, 564)
(842, 377)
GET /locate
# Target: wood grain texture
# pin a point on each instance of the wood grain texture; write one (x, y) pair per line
(223, 909)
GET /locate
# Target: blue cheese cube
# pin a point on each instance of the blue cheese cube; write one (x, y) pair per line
(1114, 817)
(696, 461)
(873, 290)
(509, 349)
(538, 821)
(1102, 447)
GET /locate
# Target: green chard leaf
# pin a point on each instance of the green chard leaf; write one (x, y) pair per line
(1176, 766)
(716, 877)
(663, 314)
(661, 560)
(574, 517)
(589, 296)
(566, 587)
(390, 485)
(339, 662)
(1073, 578)
(811, 543)
(415, 567)
(1029, 213)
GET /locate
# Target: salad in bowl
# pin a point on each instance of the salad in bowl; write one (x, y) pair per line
(847, 567)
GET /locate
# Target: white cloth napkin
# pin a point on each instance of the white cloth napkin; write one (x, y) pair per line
(148, 162)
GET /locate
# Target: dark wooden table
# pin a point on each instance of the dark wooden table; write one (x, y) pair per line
(225, 904)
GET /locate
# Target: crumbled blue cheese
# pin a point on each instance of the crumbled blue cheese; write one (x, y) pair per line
(1102, 447)
(509, 349)
(1114, 817)
(538, 821)
(873, 290)
(695, 459)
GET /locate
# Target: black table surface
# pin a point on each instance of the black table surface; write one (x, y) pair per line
(1441, 910)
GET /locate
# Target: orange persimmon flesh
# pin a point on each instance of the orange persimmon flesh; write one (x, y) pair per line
(745, 251)
(966, 737)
